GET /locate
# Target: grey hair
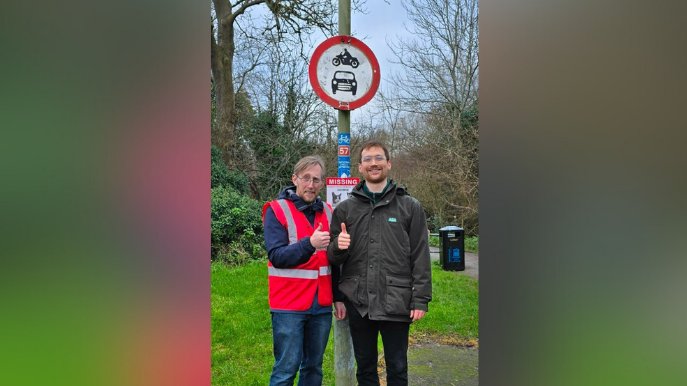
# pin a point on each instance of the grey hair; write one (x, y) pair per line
(308, 162)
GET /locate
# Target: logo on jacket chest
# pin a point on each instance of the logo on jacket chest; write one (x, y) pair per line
(392, 219)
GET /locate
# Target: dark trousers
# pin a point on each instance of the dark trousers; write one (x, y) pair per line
(395, 340)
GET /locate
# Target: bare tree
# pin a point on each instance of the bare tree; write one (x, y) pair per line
(290, 120)
(287, 18)
(441, 63)
(438, 93)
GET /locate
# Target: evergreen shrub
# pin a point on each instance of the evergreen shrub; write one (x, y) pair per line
(237, 235)
(220, 175)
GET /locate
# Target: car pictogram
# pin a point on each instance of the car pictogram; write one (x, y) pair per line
(344, 81)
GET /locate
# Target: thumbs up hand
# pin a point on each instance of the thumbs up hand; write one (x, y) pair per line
(319, 239)
(344, 239)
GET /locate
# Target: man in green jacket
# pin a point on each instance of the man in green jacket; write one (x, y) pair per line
(379, 237)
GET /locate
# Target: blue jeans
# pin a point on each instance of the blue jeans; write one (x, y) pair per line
(299, 342)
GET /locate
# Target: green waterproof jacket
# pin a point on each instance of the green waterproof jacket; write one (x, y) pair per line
(386, 271)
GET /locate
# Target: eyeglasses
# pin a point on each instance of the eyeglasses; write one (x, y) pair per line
(378, 158)
(307, 180)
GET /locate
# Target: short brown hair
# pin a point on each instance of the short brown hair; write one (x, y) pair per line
(308, 162)
(370, 144)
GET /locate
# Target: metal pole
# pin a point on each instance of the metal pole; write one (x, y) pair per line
(344, 29)
(344, 126)
(344, 115)
(344, 361)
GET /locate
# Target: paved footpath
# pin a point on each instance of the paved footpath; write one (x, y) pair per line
(471, 262)
(441, 364)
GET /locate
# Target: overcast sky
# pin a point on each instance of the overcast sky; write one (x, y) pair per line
(383, 22)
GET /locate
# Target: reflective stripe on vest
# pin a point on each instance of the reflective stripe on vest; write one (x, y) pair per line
(290, 224)
(328, 212)
(299, 273)
(293, 273)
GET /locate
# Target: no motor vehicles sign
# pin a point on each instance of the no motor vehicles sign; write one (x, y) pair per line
(344, 72)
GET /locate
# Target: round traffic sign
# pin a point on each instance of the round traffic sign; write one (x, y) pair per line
(344, 72)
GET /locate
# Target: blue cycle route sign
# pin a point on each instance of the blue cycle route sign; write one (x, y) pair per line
(344, 155)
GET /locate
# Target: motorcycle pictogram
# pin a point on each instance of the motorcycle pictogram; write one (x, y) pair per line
(346, 59)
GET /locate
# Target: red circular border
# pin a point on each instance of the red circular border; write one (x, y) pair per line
(312, 70)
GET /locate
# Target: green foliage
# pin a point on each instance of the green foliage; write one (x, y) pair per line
(213, 110)
(470, 117)
(275, 149)
(264, 129)
(215, 155)
(434, 223)
(236, 224)
(244, 109)
(220, 175)
(472, 244)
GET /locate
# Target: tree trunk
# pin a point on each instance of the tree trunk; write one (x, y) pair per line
(222, 63)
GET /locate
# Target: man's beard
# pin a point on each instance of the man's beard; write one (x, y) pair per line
(305, 199)
(375, 180)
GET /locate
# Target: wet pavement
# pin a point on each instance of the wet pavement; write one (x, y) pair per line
(443, 365)
(435, 364)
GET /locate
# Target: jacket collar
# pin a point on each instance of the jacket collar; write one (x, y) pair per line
(391, 185)
(289, 193)
(375, 196)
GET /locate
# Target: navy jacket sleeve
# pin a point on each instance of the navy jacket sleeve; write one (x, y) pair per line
(279, 252)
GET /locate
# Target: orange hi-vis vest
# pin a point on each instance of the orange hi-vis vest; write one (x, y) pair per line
(293, 289)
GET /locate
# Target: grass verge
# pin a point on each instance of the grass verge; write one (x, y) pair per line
(453, 315)
(241, 349)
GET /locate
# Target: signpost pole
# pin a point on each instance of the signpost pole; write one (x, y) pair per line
(344, 361)
(344, 29)
(344, 115)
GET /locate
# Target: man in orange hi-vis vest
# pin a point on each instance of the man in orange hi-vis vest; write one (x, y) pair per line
(302, 284)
